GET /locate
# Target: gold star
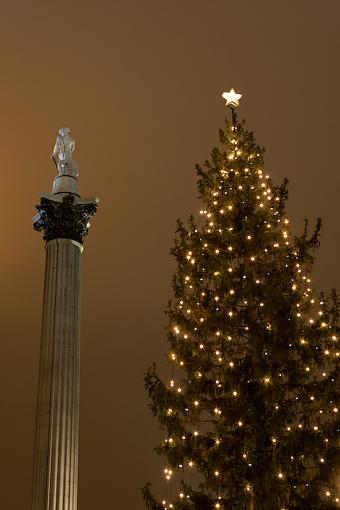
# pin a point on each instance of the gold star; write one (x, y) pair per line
(232, 99)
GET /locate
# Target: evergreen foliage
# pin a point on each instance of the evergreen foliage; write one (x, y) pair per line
(251, 412)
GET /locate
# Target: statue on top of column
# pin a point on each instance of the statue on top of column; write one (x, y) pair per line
(62, 153)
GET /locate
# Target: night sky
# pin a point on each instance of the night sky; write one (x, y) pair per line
(139, 83)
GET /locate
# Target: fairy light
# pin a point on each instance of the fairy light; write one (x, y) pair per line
(217, 216)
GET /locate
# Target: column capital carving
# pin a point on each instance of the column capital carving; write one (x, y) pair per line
(64, 216)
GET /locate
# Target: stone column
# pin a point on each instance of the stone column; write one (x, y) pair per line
(64, 218)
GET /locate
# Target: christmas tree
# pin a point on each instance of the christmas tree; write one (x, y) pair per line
(250, 411)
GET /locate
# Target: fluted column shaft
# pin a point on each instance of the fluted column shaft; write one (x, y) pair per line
(57, 429)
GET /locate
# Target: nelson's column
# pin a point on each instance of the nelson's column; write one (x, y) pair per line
(63, 216)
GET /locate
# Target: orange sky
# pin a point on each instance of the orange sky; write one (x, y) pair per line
(139, 84)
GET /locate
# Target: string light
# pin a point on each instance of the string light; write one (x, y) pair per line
(211, 254)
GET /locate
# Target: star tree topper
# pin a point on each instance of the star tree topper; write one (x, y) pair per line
(232, 99)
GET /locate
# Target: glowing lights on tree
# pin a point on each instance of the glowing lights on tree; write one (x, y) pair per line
(254, 355)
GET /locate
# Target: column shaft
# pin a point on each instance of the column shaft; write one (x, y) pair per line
(57, 427)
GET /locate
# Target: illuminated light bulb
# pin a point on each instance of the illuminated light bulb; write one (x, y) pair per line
(335, 410)
(231, 364)
(289, 429)
(217, 252)
(217, 333)
(307, 369)
(333, 337)
(235, 393)
(216, 298)
(179, 390)
(322, 460)
(244, 455)
(216, 473)
(280, 475)
(312, 398)
(316, 428)
(196, 403)
(172, 383)
(173, 356)
(181, 363)
(257, 281)
(267, 380)
(274, 440)
(302, 341)
(181, 495)
(216, 410)
(328, 493)
(217, 505)
(201, 319)
(326, 352)
(217, 441)
(248, 237)
(300, 426)
(230, 207)
(230, 314)
(240, 423)
(230, 270)
(201, 346)
(191, 464)
(196, 433)
(252, 259)
(230, 248)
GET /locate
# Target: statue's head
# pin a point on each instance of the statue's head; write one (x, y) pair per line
(64, 131)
